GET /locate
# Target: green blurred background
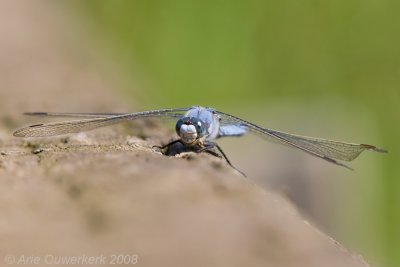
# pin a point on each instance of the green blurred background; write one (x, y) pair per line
(322, 68)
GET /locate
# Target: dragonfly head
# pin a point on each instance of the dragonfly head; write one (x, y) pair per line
(191, 130)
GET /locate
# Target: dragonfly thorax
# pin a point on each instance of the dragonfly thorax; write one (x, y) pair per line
(191, 130)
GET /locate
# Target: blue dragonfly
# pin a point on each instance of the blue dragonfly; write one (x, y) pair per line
(198, 128)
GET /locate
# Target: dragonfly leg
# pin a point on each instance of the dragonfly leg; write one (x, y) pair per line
(208, 148)
(211, 152)
(168, 145)
(174, 148)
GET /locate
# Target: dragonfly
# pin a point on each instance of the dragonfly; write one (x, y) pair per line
(198, 128)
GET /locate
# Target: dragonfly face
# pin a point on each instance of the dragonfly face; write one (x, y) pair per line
(191, 130)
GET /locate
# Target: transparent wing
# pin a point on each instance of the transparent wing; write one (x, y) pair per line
(321, 148)
(73, 115)
(91, 121)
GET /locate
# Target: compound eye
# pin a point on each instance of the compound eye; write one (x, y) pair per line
(199, 127)
(179, 125)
